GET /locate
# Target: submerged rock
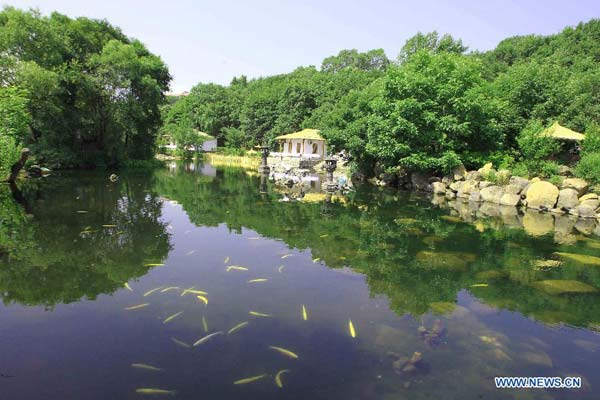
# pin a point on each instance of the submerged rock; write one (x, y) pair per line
(556, 286)
(447, 260)
(580, 258)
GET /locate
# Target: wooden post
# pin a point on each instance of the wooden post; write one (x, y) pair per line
(16, 167)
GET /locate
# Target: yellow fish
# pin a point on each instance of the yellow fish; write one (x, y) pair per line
(128, 287)
(316, 260)
(189, 253)
(172, 317)
(153, 265)
(180, 343)
(203, 299)
(197, 292)
(108, 226)
(254, 238)
(257, 280)
(285, 352)
(278, 377)
(237, 327)
(351, 328)
(206, 338)
(281, 267)
(169, 288)
(237, 268)
(323, 236)
(186, 291)
(81, 212)
(155, 391)
(136, 307)
(258, 314)
(480, 285)
(248, 380)
(304, 314)
(226, 260)
(204, 324)
(149, 292)
(283, 257)
(146, 367)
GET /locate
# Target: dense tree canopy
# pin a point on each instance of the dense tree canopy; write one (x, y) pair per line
(93, 94)
(433, 108)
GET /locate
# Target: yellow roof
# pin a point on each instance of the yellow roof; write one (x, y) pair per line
(312, 134)
(560, 132)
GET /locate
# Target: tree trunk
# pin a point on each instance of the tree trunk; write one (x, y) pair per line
(18, 166)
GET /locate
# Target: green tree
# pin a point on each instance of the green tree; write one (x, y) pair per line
(433, 112)
(14, 122)
(432, 42)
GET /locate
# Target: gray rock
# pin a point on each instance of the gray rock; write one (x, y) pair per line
(576, 183)
(475, 196)
(567, 199)
(513, 189)
(585, 226)
(518, 181)
(563, 170)
(586, 211)
(492, 194)
(484, 184)
(473, 176)
(510, 199)
(438, 188)
(589, 196)
(592, 203)
(467, 188)
(456, 186)
(459, 173)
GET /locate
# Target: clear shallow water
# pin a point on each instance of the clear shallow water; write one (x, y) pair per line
(386, 260)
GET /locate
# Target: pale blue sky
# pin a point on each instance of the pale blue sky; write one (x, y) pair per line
(212, 41)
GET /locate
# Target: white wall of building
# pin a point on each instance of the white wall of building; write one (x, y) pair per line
(295, 147)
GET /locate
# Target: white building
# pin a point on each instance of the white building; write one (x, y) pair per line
(209, 144)
(308, 143)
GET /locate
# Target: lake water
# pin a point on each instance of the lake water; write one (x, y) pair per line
(438, 307)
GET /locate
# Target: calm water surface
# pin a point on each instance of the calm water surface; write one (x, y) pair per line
(438, 307)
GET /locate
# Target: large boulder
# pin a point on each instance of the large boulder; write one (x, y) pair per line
(510, 199)
(567, 199)
(592, 203)
(542, 194)
(492, 194)
(484, 184)
(585, 211)
(438, 188)
(576, 183)
(473, 176)
(475, 196)
(459, 173)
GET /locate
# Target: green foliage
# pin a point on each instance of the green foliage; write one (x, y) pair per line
(535, 147)
(373, 60)
(589, 167)
(93, 93)
(14, 120)
(431, 42)
(431, 110)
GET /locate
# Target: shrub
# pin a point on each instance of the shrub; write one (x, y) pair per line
(589, 167)
(533, 146)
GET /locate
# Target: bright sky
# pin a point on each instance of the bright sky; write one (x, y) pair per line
(213, 41)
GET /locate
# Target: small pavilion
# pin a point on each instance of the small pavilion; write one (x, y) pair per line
(308, 143)
(559, 132)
